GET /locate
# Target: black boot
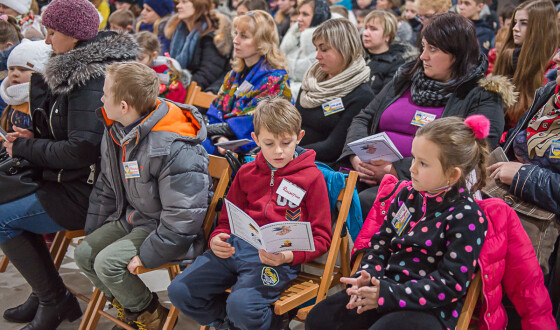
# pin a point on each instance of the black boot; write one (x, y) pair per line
(29, 254)
(25, 312)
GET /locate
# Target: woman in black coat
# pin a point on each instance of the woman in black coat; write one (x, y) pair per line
(64, 147)
(447, 79)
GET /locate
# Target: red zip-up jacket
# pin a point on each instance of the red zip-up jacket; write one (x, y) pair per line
(254, 191)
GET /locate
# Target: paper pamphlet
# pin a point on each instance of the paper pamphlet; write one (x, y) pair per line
(232, 145)
(274, 237)
(375, 147)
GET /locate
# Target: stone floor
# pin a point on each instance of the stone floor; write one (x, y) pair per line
(14, 290)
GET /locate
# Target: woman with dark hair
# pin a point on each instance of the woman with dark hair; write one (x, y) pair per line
(200, 40)
(447, 79)
(297, 45)
(64, 148)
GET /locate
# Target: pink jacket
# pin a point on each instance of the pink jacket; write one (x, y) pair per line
(506, 247)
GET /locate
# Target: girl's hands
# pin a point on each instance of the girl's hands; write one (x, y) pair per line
(220, 247)
(362, 295)
(276, 259)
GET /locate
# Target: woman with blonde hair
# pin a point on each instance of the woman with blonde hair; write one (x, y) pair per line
(334, 89)
(531, 42)
(259, 70)
(200, 40)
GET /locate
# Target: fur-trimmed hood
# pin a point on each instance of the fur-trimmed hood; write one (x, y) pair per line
(88, 60)
(501, 86)
(222, 37)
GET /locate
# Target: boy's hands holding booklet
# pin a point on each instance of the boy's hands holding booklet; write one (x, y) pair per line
(276, 259)
(220, 247)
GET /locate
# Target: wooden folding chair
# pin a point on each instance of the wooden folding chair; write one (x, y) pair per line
(307, 286)
(198, 98)
(220, 172)
(58, 247)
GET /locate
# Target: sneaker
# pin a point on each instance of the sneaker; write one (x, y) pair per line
(120, 315)
(151, 318)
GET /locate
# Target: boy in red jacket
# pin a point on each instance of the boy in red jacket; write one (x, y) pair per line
(256, 277)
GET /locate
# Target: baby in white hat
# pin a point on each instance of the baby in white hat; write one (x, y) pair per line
(25, 58)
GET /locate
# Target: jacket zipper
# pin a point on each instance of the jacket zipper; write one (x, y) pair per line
(271, 191)
(50, 120)
(59, 178)
(91, 174)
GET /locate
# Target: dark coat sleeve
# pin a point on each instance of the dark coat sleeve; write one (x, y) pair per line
(82, 147)
(212, 64)
(539, 186)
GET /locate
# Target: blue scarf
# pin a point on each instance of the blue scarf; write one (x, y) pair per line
(181, 48)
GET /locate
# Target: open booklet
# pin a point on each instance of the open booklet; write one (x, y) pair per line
(375, 147)
(274, 237)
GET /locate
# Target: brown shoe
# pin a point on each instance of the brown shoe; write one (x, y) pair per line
(151, 318)
(120, 315)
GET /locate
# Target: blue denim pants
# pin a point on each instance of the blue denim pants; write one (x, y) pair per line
(25, 214)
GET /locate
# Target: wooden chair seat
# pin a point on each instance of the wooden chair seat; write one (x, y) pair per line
(198, 98)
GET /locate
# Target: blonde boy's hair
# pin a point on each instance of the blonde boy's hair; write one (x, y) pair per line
(278, 116)
(136, 84)
(122, 18)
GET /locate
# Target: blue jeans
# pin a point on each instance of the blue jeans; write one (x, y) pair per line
(25, 214)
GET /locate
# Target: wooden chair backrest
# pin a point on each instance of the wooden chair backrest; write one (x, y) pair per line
(220, 171)
(198, 98)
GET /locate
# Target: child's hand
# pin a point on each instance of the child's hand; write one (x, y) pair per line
(222, 151)
(276, 259)
(368, 297)
(133, 264)
(22, 133)
(356, 283)
(220, 247)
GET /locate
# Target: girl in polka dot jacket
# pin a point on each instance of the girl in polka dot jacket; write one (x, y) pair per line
(420, 263)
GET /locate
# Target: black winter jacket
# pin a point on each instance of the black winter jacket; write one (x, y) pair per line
(326, 135)
(476, 96)
(67, 139)
(384, 66)
(532, 183)
(208, 66)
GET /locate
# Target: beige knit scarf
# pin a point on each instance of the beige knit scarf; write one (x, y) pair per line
(316, 90)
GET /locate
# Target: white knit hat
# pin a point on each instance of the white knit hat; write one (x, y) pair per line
(30, 54)
(21, 6)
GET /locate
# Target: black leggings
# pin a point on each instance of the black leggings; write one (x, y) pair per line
(331, 313)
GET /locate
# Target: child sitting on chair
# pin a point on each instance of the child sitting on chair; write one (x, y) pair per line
(256, 277)
(149, 202)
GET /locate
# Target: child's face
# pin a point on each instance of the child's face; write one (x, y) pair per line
(469, 8)
(360, 21)
(112, 107)
(18, 75)
(520, 22)
(364, 3)
(145, 58)
(116, 28)
(5, 10)
(122, 5)
(242, 10)
(410, 10)
(383, 4)
(277, 150)
(426, 170)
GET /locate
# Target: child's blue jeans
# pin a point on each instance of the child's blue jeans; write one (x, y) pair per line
(199, 292)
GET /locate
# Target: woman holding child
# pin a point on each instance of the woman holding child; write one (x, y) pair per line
(64, 147)
(259, 70)
(447, 79)
(334, 89)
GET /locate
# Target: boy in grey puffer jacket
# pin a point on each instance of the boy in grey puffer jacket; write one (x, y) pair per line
(149, 203)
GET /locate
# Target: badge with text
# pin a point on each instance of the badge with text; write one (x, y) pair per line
(291, 192)
(333, 106)
(163, 77)
(555, 149)
(244, 88)
(131, 170)
(422, 118)
(401, 219)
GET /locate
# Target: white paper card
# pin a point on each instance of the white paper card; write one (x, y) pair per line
(375, 147)
(234, 144)
(274, 237)
(291, 192)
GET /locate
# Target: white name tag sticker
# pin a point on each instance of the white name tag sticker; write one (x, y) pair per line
(163, 78)
(291, 192)
(244, 88)
(422, 118)
(333, 106)
(131, 170)
(401, 219)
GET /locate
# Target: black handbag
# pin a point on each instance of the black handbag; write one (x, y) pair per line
(17, 178)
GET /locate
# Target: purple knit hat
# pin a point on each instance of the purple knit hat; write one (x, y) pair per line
(75, 18)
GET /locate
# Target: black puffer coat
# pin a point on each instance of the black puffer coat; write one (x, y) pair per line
(475, 96)
(533, 183)
(384, 66)
(67, 139)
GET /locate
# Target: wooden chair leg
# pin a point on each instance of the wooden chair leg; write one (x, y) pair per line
(171, 318)
(90, 310)
(61, 251)
(94, 316)
(345, 257)
(4, 263)
(55, 245)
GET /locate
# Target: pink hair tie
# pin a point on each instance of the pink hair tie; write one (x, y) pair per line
(4, 17)
(479, 124)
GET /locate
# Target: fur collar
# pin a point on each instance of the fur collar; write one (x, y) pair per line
(88, 60)
(501, 86)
